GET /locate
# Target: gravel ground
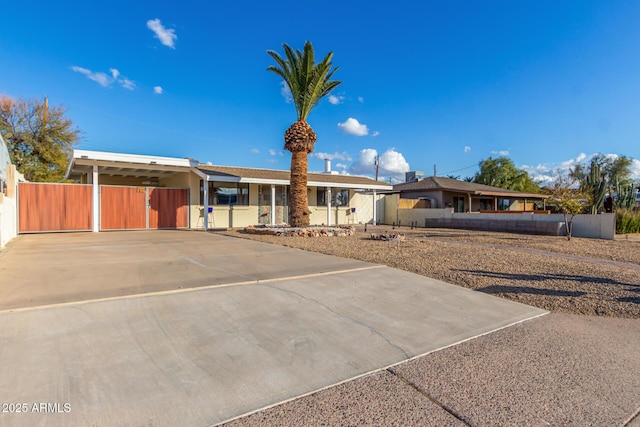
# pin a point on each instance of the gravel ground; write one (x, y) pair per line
(558, 370)
(581, 276)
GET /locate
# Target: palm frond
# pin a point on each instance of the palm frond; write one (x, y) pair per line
(308, 82)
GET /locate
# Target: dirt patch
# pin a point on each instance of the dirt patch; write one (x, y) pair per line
(544, 271)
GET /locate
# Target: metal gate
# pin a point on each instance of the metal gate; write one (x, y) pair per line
(44, 207)
(140, 208)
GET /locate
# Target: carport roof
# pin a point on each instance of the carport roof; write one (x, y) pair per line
(120, 164)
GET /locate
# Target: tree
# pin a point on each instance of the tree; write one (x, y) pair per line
(40, 139)
(502, 173)
(569, 200)
(309, 83)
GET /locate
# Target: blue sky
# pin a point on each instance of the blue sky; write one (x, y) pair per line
(449, 83)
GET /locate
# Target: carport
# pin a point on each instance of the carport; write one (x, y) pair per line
(112, 191)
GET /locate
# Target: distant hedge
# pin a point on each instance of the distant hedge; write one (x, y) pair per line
(627, 221)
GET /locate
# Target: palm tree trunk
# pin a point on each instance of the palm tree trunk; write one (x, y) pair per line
(298, 200)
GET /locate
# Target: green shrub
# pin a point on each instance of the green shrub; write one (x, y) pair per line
(627, 221)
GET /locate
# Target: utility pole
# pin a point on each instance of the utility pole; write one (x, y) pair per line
(45, 113)
(377, 162)
(435, 171)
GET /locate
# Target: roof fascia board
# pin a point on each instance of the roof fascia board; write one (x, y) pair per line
(511, 195)
(286, 182)
(130, 158)
(349, 185)
(135, 166)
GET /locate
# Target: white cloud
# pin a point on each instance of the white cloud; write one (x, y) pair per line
(467, 148)
(122, 80)
(501, 152)
(336, 99)
(255, 151)
(375, 133)
(547, 173)
(361, 100)
(272, 152)
(127, 84)
(342, 168)
(344, 156)
(103, 79)
(635, 169)
(541, 173)
(392, 164)
(157, 90)
(286, 92)
(167, 37)
(354, 127)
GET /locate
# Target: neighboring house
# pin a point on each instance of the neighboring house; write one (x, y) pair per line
(115, 191)
(462, 196)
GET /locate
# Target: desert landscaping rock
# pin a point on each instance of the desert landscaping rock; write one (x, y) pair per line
(285, 231)
(544, 271)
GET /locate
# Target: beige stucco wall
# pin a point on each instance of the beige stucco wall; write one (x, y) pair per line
(343, 215)
(243, 216)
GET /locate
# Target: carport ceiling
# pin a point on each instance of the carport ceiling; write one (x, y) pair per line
(137, 171)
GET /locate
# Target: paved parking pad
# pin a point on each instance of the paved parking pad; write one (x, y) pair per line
(41, 269)
(205, 355)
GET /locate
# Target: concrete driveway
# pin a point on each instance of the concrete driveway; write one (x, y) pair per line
(190, 328)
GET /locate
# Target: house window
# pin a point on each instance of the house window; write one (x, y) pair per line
(458, 204)
(226, 193)
(503, 204)
(339, 197)
(486, 204)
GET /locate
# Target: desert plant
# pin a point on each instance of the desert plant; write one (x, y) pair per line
(568, 200)
(309, 83)
(626, 196)
(596, 186)
(627, 221)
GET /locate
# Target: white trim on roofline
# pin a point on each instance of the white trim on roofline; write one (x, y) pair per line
(219, 178)
(133, 158)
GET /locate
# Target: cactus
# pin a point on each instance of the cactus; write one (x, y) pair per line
(626, 196)
(597, 187)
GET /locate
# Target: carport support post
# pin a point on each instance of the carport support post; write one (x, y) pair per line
(328, 206)
(205, 202)
(273, 204)
(95, 199)
(375, 208)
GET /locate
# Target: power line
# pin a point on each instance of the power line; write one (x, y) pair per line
(475, 165)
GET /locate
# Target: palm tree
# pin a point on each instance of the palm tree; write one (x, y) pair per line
(308, 83)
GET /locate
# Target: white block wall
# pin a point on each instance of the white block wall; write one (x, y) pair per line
(8, 213)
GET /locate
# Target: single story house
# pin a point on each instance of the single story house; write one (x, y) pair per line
(462, 196)
(116, 191)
